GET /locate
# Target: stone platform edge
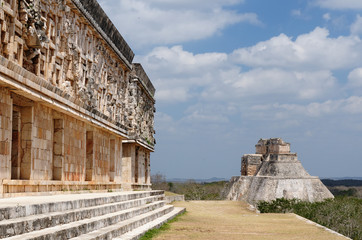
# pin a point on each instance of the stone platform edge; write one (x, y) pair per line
(170, 199)
(320, 226)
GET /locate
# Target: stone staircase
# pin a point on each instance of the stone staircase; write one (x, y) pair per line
(120, 215)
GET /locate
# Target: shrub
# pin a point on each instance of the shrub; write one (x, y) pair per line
(342, 214)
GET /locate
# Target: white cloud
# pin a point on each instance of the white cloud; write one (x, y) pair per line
(282, 80)
(355, 78)
(356, 27)
(275, 84)
(340, 4)
(178, 74)
(168, 22)
(327, 16)
(193, 3)
(350, 105)
(200, 117)
(314, 50)
(353, 105)
(181, 63)
(177, 94)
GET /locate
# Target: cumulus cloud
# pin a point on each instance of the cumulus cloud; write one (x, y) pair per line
(159, 22)
(283, 79)
(356, 27)
(177, 94)
(340, 4)
(180, 76)
(314, 50)
(179, 62)
(278, 82)
(193, 3)
(355, 78)
(210, 117)
(350, 105)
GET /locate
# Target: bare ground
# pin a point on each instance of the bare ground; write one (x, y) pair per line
(232, 220)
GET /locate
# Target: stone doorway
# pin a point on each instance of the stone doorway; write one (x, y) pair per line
(16, 144)
(58, 148)
(112, 163)
(21, 143)
(136, 165)
(90, 156)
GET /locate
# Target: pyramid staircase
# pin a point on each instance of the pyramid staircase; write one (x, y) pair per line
(121, 215)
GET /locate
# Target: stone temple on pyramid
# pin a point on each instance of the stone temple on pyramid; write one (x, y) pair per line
(274, 172)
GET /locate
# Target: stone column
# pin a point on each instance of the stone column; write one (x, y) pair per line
(128, 161)
(6, 109)
(27, 121)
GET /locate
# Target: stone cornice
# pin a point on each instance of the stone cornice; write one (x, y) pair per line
(100, 21)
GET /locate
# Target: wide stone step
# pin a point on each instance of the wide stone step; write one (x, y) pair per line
(26, 206)
(31, 223)
(140, 231)
(118, 229)
(84, 226)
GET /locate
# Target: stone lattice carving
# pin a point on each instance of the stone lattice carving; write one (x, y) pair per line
(60, 45)
(141, 106)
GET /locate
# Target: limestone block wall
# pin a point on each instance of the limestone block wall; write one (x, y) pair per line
(75, 112)
(250, 164)
(148, 168)
(128, 156)
(107, 157)
(115, 166)
(77, 53)
(58, 146)
(135, 164)
(283, 157)
(42, 143)
(142, 167)
(272, 146)
(101, 156)
(5, 133)
(74, 149)
(274, 173)
(279, 149)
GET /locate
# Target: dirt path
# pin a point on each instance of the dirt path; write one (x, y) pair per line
(225, 220)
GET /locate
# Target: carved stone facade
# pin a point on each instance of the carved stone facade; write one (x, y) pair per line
(75, 112)
(274, 172)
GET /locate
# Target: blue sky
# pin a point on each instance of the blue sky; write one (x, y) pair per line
(229, 72)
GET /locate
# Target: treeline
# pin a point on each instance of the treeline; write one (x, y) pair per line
(191, 189)
(342, 214)
(344, 182)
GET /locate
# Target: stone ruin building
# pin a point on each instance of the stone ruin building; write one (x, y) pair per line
(274, 172)
(75, 112)
(76, 116)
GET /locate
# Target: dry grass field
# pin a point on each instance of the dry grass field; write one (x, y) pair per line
(232, 220)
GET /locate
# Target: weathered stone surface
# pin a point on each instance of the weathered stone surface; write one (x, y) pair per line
(72, 102)
(83, 216)
(274, 173)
